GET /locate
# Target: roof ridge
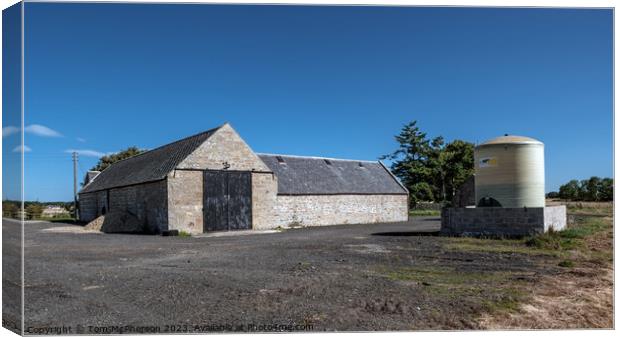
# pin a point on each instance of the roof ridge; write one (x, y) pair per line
(315, 157)
(164, 145)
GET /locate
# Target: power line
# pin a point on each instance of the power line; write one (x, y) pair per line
(74, 156)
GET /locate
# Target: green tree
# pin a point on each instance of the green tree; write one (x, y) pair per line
(570, 190)
(34, 210)
(606, 189)
(591, 189)
(10, 209)
(110, 159)
(457, 165)
(553, 195)
(410, 162)
(430, 169)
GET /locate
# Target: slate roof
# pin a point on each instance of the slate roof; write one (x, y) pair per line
(148, 166)
(315, 175)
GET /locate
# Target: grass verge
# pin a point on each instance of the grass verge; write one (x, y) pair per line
(424, 212)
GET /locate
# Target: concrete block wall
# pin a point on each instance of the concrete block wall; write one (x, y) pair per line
(555, 218)
(185, 201)
(322, 210)
(497, 221)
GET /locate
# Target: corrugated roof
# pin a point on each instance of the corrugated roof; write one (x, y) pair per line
(148, 166)
(316, 175)
(511, 139)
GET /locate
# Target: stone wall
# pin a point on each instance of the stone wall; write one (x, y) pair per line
(148, 202)
(498, 221)
(224, 149)
(185, 200)
(264, 196)
(91, 205)
(225, 146)
(322, 210)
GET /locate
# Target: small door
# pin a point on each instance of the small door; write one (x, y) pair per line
(227, 200)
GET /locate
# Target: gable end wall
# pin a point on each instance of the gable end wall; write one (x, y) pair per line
(185, 184)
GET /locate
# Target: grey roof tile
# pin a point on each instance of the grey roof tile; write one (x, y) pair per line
(314, 175)
(148, 166)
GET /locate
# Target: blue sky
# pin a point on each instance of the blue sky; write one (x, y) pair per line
(326, 81)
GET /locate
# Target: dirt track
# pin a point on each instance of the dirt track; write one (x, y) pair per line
(351, 277)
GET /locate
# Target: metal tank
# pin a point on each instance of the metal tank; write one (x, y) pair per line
(510, 172)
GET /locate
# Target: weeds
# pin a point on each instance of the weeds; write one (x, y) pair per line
(424, 212)
(184, 234)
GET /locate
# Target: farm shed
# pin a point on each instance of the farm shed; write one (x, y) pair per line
(214, 181)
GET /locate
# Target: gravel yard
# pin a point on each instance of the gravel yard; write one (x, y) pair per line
(350, 277)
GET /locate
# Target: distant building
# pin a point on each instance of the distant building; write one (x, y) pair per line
(52, 211)
(214, 181)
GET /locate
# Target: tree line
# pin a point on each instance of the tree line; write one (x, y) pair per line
(593, 189)
(32, 209)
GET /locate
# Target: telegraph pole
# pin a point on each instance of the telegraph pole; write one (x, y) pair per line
(74, 156)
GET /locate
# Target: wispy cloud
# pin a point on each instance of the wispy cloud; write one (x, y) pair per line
(24, 149)
(87, 153)
(9, 130)
(80, 139)
(41, 130)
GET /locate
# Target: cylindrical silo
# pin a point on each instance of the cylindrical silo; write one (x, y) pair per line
(510, 172)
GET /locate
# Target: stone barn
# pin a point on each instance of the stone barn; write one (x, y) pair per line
(214, 181)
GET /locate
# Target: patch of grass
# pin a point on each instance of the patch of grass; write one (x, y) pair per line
(552, 243)
(501, 246)
(184, 234)
(590, 208)
(444, 278)
(508, 301)
(424, 212)
(492, 290)
(572, 238)
(566, 264)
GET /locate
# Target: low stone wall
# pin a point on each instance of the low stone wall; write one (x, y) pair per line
(323, 210)
(497, 221)
(148, 202)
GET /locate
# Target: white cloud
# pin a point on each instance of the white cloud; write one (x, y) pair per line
(19, 149)
(87, 153)
(41, 130)
(9, 130)
(80, 139)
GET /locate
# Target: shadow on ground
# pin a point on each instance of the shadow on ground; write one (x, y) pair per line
(410, 233)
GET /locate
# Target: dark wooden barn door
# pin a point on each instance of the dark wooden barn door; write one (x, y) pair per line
(227, 200)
